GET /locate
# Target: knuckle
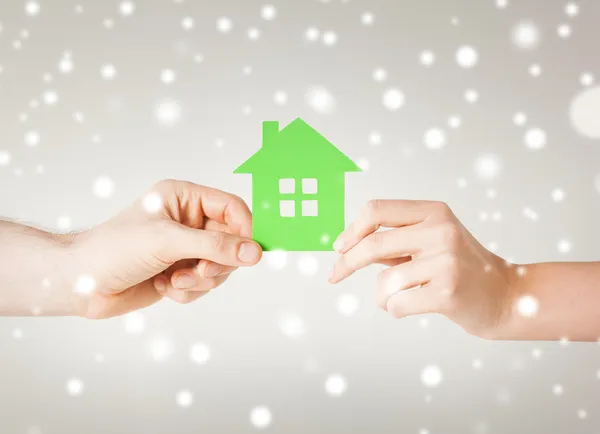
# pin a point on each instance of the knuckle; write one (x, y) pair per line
(374, 242)
(216, 241)
(449, 235)
(372, 208)
(442, 209)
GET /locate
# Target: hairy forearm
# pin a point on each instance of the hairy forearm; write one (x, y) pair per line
(34, 272)
(568, 302)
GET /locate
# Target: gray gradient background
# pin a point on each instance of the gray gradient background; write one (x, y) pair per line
(253, 363)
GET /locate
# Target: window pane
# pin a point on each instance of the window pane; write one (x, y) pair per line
(287, 186)
(287, 208)
(310, 208)
(309, 186)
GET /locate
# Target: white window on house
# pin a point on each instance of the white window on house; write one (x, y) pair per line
(287, 186)
(287, 208)
(309, 186)
(310, 208)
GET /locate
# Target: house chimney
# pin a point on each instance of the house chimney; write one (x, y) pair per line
(270, 130)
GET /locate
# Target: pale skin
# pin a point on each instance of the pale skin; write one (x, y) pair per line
(436, 266)
(187, 243)
(194, 237)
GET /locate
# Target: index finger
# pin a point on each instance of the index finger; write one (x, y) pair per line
(383, 213)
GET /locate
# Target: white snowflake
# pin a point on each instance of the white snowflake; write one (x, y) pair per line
(63, 223)
(280, 97)
(466, 56)
(431, 376)
(558, 195)
(526, 35)
(167, 113)
(187, 23)
(367, 18)
(135, 323)
(167, 76)
(312, 34)
(488, 166)
(50, 97)
(393, 99)
(104, 187)
(184, 398)
(572, 9)
(584, 113)
(74, 387)
(292, 325)
(535, 138)
(32, 138)
(564, 31)
(308, 265)
(161, 350)
(200, 353)
(108, 72)
(261, 417)
(535, 70)
(375, 138)
(253, 33)
(84, 284)
(527, 306)
(268, 12)
(586, 79)
(330, 38)
(347, 304)
(65, 65)
(454, 122)
(427, 58)
(126, 8)
(336, 385)
(434, 138)
(471, 96)
(276, 259)
(320, 100)
(5, 158)
(520, 119)
(380, 74)
(224, 25)
(557, 389)
(564, 246)
(32, 8)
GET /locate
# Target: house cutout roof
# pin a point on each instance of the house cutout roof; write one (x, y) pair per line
(297, 149)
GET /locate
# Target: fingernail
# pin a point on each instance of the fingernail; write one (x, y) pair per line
(160, 285)
(184, 281)
(212, 270)
(249, 252)
(338, 245)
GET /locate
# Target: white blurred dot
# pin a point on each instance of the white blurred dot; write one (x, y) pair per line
(535, 70)
(5, 158)
(184, 398)
(74, 387)
(330, 38)
(586, 79)
(320, 100)
(108, 72)
(50, 97)
(477, 364)
(335, 385)
(471, 96)
(253, 34)
(427, 58)
(367, 18)
(558, 195)
(487, 166)
(32, 8)
(461, 182)
(312, 34)
(364, 164)
(167, 76)
(564, 341)
(308, 265)
(531, 214)
(527, 306)
(431, 376)
(65, 65)
(380, 74)
(424, 323)
(161, 350)
(526, 35)
(104, 187)
(32, 138)
(520, 119)
(152, 203)
(564, 31)
(434, 138)
(63, 223)
(535, 138)
(557, 389)
(280, 97)
(85, 284)
(17, 334)
(200, 353)
(187, 23)
(497, 216)
(466, 56)
(291, 325)
(224, 25)
(584, 113)
(167, 113)
(501, 4)
(454, 122)
(564, 246)
(126, 8)
(347, 304)
(134, 323)
(536, 353)
(260, 417)
(276, 259)
(268, 12)
(572, 9)
(375, 138)
(108, 23)
(491, 193)
(393, 99)
(198, 58)
(99, 358)
(581, 413)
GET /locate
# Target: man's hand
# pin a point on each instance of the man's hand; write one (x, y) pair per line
(435, 264)
(180, 241)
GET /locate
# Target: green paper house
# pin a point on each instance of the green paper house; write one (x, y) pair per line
(298, 188)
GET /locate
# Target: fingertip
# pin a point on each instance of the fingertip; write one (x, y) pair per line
(160, 284)
(249, 252)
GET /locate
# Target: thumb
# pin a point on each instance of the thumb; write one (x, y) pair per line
(184, 242)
